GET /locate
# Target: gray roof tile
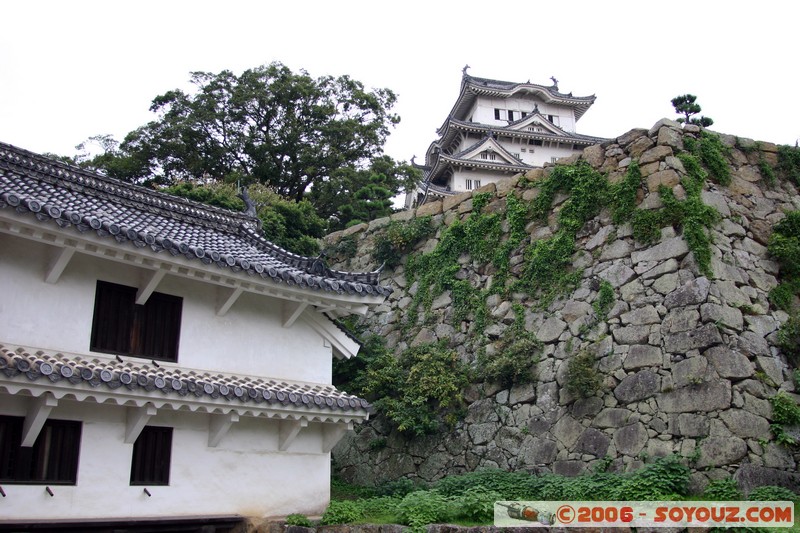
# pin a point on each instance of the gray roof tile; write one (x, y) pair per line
(69, 196)
(21, 364)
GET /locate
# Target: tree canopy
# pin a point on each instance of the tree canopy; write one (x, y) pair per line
(318, 140)
(687, 106)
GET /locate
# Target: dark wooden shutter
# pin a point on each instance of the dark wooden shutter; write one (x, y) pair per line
(10, 438)
(113, 317)
(53, 458)
(152, 453)
(158, 327)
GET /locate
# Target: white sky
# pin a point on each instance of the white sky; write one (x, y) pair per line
(72, 69)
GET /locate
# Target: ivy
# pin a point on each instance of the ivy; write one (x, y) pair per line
(480, 238)
(623, 195)
(399, 238)
(691, 215)
(583, 378)
(418, 389)
(784, 246)
(548, 271)
(517, 354)
(789, 163)
(604, 301)
(785, 412)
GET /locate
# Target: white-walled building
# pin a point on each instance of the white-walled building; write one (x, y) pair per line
(498, 129)
(159, 359)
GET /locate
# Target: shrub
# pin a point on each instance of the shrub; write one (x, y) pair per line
(298, 520)
(722, 489)
(772, 493)
(342, 512)
(477, 504)
(510, 485)
(423, 507)
(517, 355)
(663, 479)
(418, 389)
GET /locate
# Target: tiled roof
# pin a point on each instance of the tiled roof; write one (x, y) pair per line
(52, 191)
(19, 364)
(509, 85)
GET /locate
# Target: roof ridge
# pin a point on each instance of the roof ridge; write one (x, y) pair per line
(91, 181)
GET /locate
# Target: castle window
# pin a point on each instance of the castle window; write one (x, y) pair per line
(496, 114)
(469, 185)
(121, 326)
(152, 454)
(53, 458)
(510, 115)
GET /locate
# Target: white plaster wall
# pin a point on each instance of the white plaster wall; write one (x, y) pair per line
(245, 474)
(461, 176)
(484, 110)
(248, 340)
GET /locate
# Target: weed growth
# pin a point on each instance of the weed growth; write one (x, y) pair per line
(789, 163)
(583, 378)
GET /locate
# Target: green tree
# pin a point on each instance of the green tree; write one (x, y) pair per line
(354, 195)
(292, 225)
(687, 106)
(268, 125)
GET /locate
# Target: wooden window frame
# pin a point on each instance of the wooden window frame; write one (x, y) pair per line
(123, 327)
(52, 460)
(152, 456)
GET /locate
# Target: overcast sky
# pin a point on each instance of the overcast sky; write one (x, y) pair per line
(72, 69)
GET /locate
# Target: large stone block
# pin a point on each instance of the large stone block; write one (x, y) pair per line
(689, 425)
(745, 424)
(567, 430)
(668, 178)
(702, 337)
(655, 154)
(430, 209)
(586, 407)
(568, 468)
(704, 397)
(612, 417)
(729, 364)
(641, 316)
(642, 355)
(750, 476)
(720, 451)
(728, 316)
(593, 442)
(674, 247)
(637, 387)
(551, 329)
(631, 334)
(616, 250)
(630, 440)
(538, 451)
(691, 371)
(670, 136)
(690, 293)
(482, 433)
(618, 275)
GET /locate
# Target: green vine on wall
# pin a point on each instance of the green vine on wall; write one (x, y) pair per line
(517, 353)
(784, 246)
(785, 412)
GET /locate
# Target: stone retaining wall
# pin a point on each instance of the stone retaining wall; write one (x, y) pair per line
(689, 361)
